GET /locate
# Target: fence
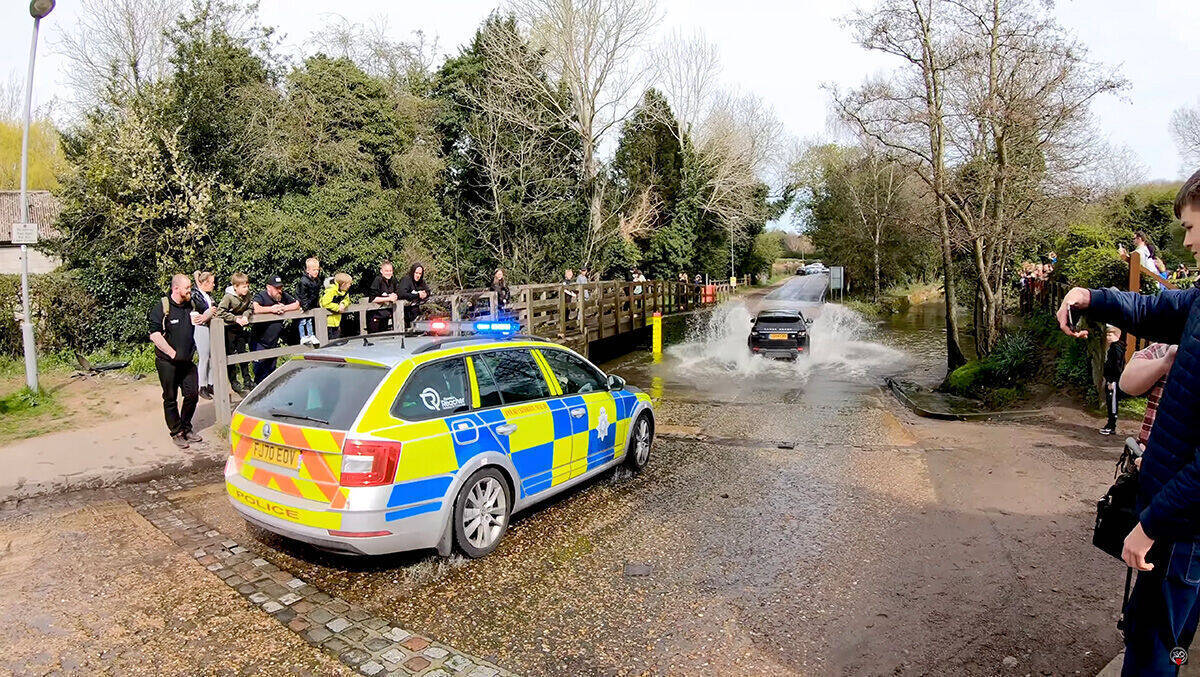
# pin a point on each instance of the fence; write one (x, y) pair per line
(570, 313)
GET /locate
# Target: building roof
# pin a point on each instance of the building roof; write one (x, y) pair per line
(43, 210)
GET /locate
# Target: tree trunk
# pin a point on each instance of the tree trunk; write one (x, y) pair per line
(877, 263)
(954, 353)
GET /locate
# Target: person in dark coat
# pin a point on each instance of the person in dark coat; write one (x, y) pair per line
(382, 291)
(1164, 547)
(308, 293)
(171, 325)
(500, 287)
(1114, 364)
(414, 290)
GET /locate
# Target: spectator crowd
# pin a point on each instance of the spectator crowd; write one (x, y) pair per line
(180, 325)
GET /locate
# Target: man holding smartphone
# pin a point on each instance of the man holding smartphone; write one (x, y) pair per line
(1162, 613)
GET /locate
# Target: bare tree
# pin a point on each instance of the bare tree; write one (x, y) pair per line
(371, 46)
(119, 44)
(736, 144)
(588, 49)
(905, 113)
(1185, 129)
(992, 110)
(687, 69)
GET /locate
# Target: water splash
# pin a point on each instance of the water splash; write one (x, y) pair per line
(839, 342)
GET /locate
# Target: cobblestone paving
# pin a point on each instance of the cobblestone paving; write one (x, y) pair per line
(369, 644)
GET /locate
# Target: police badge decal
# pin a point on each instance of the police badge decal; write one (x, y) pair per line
(1179, 655)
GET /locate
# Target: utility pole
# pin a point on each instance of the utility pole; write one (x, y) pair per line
(38, 9)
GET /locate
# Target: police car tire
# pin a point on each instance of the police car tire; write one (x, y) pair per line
(631, 456)
(460, 536)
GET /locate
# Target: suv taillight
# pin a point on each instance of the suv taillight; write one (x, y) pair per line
(369, 463)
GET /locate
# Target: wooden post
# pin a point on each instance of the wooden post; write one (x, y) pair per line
(220, 371)
(579, 313)
(455, 316)
(398, 322)
(1135, 286)
(321, 325)
(620, 292)
(562, 311)
(494, 304)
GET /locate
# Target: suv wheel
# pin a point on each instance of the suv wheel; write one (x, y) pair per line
(481, 512)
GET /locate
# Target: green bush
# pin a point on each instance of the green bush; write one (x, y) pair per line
(64, 314)
(1095, 266)
(1015, 357)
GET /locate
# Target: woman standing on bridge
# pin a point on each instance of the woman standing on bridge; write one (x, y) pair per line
(500, 288)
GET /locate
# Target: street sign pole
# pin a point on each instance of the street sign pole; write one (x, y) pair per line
(31, 370)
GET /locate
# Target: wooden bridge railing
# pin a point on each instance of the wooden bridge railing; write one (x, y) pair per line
(578, 313)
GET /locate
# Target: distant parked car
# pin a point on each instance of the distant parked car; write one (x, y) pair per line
(815, 268)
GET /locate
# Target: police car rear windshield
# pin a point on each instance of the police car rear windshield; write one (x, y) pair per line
(314, 394)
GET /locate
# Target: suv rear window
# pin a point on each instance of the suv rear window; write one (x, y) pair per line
(314, 394)
(778, 318)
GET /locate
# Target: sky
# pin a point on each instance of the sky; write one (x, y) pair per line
(780, 50)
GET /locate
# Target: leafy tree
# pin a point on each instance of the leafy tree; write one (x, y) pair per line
(46, 159)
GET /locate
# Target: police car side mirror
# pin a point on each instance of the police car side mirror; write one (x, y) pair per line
(615, 382)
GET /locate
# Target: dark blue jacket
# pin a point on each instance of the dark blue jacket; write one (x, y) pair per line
(1169, 495)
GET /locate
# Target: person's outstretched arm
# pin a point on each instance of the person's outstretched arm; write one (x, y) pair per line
(1158, 318)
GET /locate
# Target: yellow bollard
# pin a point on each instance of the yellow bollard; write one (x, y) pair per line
(656, 334)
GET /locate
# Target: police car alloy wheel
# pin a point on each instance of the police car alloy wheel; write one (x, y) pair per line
(481, 512)
(639, 452)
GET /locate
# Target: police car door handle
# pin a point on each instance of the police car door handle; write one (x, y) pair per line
(578, 412)
(507, 428)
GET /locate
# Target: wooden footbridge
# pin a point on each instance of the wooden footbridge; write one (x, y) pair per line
(574, 315)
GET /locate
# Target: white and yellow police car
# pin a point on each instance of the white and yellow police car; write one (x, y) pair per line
(401, 443)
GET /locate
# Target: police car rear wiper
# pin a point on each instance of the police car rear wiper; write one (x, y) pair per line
(303, 417)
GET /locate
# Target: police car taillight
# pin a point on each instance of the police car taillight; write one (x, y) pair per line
(369, 463)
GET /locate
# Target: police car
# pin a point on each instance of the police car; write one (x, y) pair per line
(388, 443)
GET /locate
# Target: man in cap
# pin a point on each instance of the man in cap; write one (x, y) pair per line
(273, 299)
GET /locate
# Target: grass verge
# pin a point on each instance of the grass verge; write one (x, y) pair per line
(25, 413)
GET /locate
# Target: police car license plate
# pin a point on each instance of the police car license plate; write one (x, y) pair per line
(778, 337)
(281, 456)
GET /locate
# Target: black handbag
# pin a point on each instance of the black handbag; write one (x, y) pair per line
(1116, 513)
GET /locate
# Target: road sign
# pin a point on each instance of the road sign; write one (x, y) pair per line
(24, 233)
(837, 277)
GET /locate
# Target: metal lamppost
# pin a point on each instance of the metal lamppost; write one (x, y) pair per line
(38, 9)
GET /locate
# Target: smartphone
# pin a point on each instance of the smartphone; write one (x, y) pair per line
(1074, 319)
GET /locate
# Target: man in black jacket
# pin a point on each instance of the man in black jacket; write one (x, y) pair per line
(414, 290)
(171, 331)
(273, 299)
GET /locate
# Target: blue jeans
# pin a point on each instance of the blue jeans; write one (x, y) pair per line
(1162, 612)
(307, 328)
(263, 368)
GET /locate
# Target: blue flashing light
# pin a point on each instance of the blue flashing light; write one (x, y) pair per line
(495, 327)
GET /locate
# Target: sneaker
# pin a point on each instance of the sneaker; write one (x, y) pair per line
(192, 436)
(206, 393)
(180, 441)
(1108, 430)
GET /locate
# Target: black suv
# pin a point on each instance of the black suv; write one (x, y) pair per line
(779, 333)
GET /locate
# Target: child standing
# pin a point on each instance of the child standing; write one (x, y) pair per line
(1114, 364)
(235, 308)
(308, 293)
(335, 299)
